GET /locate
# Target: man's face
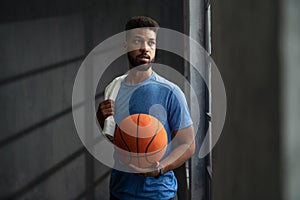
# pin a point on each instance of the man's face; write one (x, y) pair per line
(141, 47)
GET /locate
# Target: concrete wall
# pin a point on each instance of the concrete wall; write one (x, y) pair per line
(245, 46)
(42, 46)
(290, 51)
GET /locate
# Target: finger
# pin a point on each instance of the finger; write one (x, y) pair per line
(107, 113)
(106, 106)
(108, 102)
(104, 109)
(108, 110)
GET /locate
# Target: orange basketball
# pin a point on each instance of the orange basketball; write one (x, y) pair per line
(141, 140)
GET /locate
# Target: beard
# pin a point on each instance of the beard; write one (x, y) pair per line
(138, 64)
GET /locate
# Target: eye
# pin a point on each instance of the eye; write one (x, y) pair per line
(151, 43)
(136, 41)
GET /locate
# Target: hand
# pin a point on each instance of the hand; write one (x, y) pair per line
(152, 171)
(105, 109)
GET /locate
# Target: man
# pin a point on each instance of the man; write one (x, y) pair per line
(144, 91)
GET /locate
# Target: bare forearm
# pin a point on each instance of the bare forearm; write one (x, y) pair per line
(177, 157)
(181, 151)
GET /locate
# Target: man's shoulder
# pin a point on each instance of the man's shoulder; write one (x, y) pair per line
(113, 88)
(165, 82)
(116, 80)
(120, 78)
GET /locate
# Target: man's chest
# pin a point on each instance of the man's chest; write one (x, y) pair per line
(149, 99)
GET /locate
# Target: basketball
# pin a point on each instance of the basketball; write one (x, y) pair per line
(141, 140)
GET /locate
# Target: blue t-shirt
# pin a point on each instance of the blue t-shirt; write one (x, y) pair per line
(164, 100)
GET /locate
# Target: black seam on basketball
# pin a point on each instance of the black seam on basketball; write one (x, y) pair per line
(123, 140)
(137, 137)
(152, 137)
(146, 156)
(152, 154)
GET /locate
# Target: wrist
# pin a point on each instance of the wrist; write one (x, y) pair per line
(160, 171)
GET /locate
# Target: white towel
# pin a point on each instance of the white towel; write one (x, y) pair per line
(111, 92)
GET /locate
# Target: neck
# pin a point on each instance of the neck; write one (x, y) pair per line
(135, 76)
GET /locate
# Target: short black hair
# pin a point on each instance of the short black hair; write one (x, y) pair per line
(140, 22)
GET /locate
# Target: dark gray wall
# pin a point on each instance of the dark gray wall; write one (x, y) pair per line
(247, 158)
(42, 46)
(290, 51)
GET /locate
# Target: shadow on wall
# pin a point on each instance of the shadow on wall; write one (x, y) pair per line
(43, 45)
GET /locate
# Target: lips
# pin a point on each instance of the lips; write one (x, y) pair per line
(144, 56)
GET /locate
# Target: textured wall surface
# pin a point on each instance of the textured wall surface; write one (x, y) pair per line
(245, 46)
(42, 46)
(290, 49)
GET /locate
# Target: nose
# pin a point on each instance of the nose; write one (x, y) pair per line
(145, 46)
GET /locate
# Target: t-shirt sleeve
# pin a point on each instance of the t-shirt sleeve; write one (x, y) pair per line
(179, 116)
